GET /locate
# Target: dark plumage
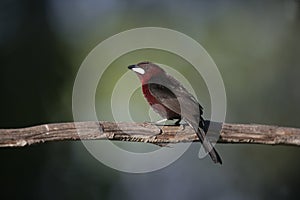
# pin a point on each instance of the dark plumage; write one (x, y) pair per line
(172, 101)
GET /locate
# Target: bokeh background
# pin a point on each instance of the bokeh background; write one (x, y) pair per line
(255, 44)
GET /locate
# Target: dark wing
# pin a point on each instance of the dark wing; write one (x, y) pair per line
(165, 96)
(169, 92)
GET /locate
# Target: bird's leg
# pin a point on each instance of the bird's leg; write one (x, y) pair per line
(160, 122)
(177, 123)
(183, 122)
(163, 122)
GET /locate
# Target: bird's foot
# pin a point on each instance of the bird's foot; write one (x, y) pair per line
(160, 122)
(168, 122)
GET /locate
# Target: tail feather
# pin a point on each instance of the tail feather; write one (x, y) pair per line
(203, 128)
(215, 156)
(206, 144)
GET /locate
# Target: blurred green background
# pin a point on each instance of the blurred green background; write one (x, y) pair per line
(255, 44)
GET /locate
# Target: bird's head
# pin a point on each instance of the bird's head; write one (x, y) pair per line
(146, 70)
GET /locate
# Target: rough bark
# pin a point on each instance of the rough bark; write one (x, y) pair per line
(149, 133)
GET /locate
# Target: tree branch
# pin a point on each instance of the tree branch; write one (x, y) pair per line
(149, 133)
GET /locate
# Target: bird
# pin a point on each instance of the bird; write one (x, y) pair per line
(172, 101)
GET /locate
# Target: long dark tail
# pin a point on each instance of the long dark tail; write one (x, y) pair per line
(208, 146)
(215, 156)
(199, 129)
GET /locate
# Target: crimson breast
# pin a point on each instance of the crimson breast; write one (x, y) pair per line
(157, 106)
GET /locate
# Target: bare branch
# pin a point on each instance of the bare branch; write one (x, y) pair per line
(147, 132)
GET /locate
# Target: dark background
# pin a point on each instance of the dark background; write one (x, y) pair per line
(255, 44)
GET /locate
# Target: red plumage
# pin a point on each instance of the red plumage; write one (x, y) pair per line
(172, 101)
